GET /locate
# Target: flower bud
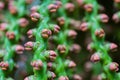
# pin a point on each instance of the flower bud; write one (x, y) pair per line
(34, 9)
(88, 7)
(80, 2)
(10, 35)
(113, 47)
(46, 33)
(100, 33)
(114, 66)
(19, 49)
(51, 75)
(63, 78)
(56, 29)
(2, 5)
(61, 20)
(30, 33)
(117, 1)
(103, 18)
(75, 48)
(50, 54)
(72, 34)
(58, 3)
(77, 77)
(84, 26)
(37, 65)
(61, 48)
(4, 65)
(95, 57)
(12, 8)
(23, 22)
(29, 45)
(35, 16)
(116, 18)
(71, 64)
(3, 26)
(69, 7)
(52, 8)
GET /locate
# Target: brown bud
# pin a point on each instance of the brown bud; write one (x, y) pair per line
(116, 18)
(30, 33)
(61, 20)
(71, 64)
(29, 45)
(113, 47)
(100, 33)
(46, 33)
(23, 22)
(103, 18)
(69, 7)
(52, 8)
(4, 65)
(95, 57)
(3, 26)
(56, 29)
(52, 55)
(19, 49)
(75, 48)
(37, 65)
(2, 5)
(77, 77)
(35, 16)
(61, 48)
(88, 7)
(63, 78)
(10, 35)
(72, 34)
(114, 66)
(84, 26)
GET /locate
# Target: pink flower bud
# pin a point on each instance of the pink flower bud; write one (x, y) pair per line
(37, 65)
(58, 3)
(71, 64)
(51, 75)
(35, 16)
(113, 47)
(52, 55)
(75, 48)
(56, 29)
(61, 48)
(117, 1)
(2, 5)
(4, 65)
(10, 35)
(84, 26)
(100, 33)
(103, 18)
(30, 33)
(114, 66)
(34, 9)
(61, 20)
(12, 8)
(116, 18)
(29, 45)
(72, 34)
(23, 22)
(3, 26)
(19, 49)
(63, 78)
(77, 77)
(88, 7)
(52, 8)
(46, 33)
(69, 7)
(80, 2)
(95, 57)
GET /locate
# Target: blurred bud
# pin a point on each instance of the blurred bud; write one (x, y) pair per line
(116, 17)
(61, 48)
(10, 35)
(95, 57)
(56, 29)
(63, 78)
(88, 7)
(29, 45)
(84, 26)
(50, 54)
(114, 66)
(30, 33)
(70, 7)
(103, 18)
(4, 65)
(61, 20)
(100, 33)
(58, 3)
(51, 75)
(113, 47)
(3, 26)
(37, 65)
(35, 16)
(12, 8)
(75, 48)
(72, 34)
(80, 2)
(77, 77)
(23, 22)
(88, 66)
(30, 78)
(117, 1)
(46, 33)
(90, 47)
(71, 64)
(34, 9)
(19, 49)
(52, 8)
(2, 5)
